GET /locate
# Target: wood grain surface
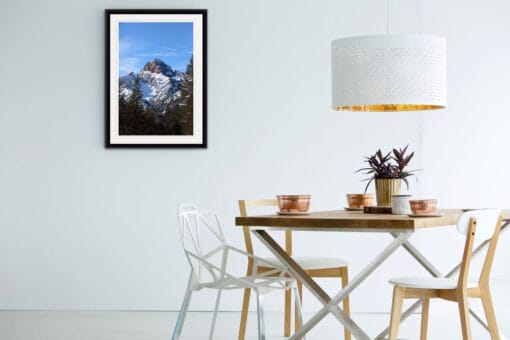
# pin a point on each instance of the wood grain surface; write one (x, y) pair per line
(355, 220)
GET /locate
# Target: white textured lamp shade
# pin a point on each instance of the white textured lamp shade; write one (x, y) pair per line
(389, 73)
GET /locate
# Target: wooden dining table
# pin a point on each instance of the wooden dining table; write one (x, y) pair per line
(400, 227)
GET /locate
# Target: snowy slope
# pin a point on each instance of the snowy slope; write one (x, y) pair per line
(159, 84)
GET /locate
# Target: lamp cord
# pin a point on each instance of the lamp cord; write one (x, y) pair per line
(387, 16)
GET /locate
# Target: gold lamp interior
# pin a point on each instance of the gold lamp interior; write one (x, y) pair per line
(389, 107)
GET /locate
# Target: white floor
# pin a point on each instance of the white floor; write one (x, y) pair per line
(27, 325)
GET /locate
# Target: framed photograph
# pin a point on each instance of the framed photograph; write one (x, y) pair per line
(156, 78)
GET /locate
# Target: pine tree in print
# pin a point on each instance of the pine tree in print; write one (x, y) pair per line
(186, 108)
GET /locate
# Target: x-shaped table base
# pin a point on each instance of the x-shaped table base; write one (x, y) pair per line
(330, 305)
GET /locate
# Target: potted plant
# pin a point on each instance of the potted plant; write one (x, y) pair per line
(388, 171)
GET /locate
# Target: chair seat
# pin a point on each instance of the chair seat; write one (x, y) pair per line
(427, 282)
(309, 262)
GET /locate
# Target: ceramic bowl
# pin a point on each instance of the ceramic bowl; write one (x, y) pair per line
(423, 207)
(293, 203)
(358, 201)
(400, 204)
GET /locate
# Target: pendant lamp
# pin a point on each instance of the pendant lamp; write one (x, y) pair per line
(389, 72)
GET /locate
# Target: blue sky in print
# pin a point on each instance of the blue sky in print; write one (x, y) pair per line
(140, 42)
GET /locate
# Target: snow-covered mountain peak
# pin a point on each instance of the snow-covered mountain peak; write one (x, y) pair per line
(159, 66)
(159, 84)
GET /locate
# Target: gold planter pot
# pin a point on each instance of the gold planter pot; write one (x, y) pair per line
(385, 188)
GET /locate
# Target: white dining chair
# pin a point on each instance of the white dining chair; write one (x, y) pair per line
(208, 254)
(479, 224)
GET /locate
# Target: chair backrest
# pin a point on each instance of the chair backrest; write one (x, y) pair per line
(204, 245)
(184, 207)
(243, 210)
(486, 221)
(483, 225)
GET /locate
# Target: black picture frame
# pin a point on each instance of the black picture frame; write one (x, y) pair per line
(116, 134)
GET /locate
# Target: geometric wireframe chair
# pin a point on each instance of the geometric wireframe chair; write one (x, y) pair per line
(208, 255)
(479, 224)
(313, 265)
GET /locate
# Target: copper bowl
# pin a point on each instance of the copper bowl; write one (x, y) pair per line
(423, 207)
(293, 203)
(359, 201)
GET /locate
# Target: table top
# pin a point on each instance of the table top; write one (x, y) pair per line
(353, 221)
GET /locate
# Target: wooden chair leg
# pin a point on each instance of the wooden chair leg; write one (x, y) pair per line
(346, 303)
(396, 310)
(297, 323)
(464, 315)
(424, 318)
(244, 313)
(287, 312)
(489, 313)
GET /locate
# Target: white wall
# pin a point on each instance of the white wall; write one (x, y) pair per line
(466, 146)
(88, 228)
